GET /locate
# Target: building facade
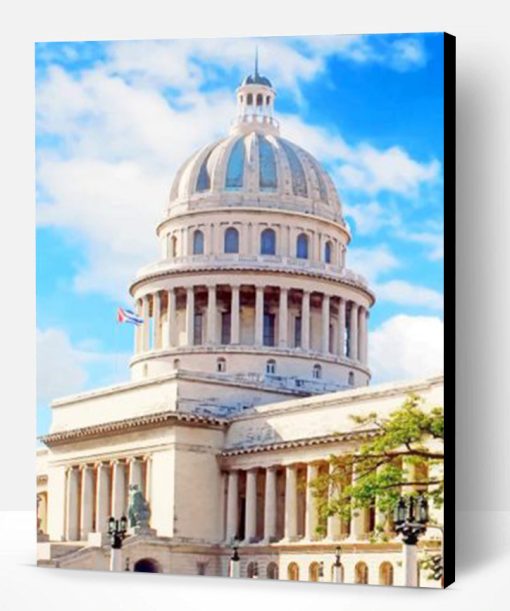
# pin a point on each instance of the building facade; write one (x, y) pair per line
(250, 361)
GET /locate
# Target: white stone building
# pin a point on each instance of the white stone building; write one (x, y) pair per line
(250, 361)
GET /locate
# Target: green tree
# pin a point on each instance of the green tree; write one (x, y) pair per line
(409, 441)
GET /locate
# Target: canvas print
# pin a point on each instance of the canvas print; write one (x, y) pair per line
(241, 309)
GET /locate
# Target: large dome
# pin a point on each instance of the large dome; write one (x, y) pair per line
(254, 166)
(258, 169)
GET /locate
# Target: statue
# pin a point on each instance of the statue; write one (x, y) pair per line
(139, 512)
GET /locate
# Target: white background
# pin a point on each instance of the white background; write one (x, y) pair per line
(483, 213)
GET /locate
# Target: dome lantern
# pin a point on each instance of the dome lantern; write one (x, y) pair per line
(255, 104)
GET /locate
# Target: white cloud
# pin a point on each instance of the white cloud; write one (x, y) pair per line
(408, 294)
(434, 241)
(371, 216)
(405, 347)
(64, 369)
(372, 262)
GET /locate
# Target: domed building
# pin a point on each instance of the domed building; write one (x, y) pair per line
(252, 282)
(248, 365)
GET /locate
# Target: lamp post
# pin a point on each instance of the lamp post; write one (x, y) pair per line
(117, 531)
(234, 565)
(411, 516)
(337, 566)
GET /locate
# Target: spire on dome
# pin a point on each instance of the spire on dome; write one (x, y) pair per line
(256, 78)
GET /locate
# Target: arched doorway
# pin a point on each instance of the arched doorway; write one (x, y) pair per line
(386, 574)
(293, 572)
(146, 565)
(313, 571)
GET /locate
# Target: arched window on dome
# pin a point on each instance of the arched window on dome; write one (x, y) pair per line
(235, 167)
(249, 99)
(198, 242)
(302, 246)
(177, 363)
(317, 372)
(350, 379)
(268, 242)
(204, 176)
(328, 249)
(231, 240)
(259, 99)
(361, 573)
(271, 367)
(221, 365)
(268, 100)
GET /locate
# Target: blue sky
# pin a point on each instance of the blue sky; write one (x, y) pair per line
(116, 119)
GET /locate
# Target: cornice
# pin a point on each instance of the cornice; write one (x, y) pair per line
(128, 424)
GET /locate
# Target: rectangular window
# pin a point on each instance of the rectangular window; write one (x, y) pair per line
(297, 332)
(198, 329)
(225, 327)
(269, 320)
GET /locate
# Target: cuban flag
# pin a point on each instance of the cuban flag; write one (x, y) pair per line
(128, 316)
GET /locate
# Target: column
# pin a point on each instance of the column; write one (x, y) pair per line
(146, 323)
(190, 315)
(156, 321)
(363, 335)
(232, 505)
(211, 314)
(283, 318)
(334, 522)
(172, 319)
(259, 315)
(325, 323)
(87, 501)
(358, 518)
(148, 478)
(235, 315)
(341, 326)
(102, 497)
(311, 514)
(353, 332)
(138, 328)
(250, 527)
(270, 505)
(135, 474)
(290, 502)
(305, 321)
(118, 489)
(72, 487)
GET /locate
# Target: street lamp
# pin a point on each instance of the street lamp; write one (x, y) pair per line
(117, 530)
(234, 565)
(411, 516)
(337, 566)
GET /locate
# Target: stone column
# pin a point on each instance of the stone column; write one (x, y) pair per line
(87, 501)
(325, 323)
(290, 502)
(172, 319)
(135, 474)
(311, 514)
(148, 478)
(353, 332)
(358, 518)
(190, 315)
(235, 315)
(270, 505)
(138, 328)
(232, 505)
(283, 318)
(334, 522)
(250, 527)
(119, 489)
(363, 335)
(259, 315)
(156, 321)
(146, 323)
(102, 497)
(341, 327)
(211, 314)
(72, 500)
(305, 321)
